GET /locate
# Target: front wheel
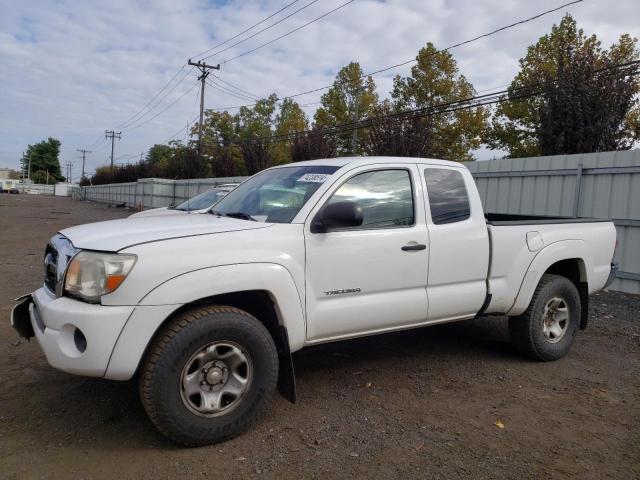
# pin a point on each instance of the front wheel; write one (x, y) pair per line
(546, 330)
(209, 375)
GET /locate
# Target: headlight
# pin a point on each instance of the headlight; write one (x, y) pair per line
(92, 274)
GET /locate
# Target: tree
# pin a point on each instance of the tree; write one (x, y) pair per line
(585, 112)
(258, 120)
(290, 119)
(256, 154)
(435, 80)
(313, 144)
(218, 138)
(351, 98)
(391, 135)
(517, 123)
(43, 156)
(42, 177)
(159, 154)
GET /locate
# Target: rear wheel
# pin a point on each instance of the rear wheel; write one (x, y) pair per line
(209, 375)
(546, 330)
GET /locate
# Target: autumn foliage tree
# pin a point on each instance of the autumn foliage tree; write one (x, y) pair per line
(313, 144)
(436, 80)
(398, 136)
(351, 98)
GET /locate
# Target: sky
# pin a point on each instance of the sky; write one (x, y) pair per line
(71, 70)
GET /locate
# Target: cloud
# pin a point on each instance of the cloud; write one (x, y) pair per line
(72, 69)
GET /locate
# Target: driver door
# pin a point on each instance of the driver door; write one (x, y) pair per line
(372, 277)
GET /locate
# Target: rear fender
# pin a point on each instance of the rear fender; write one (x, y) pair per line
(555, 252)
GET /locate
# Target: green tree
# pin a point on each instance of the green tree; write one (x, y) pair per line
(43, 156)
(220, 132)
(516, 125)
(290, 119)
(258, 120)
(41, 176)
(352, 97)
(435, 80)
(159, 154)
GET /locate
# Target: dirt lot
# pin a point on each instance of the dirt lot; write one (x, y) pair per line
(418, 404)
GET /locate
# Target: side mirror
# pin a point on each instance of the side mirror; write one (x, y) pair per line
(337, 215)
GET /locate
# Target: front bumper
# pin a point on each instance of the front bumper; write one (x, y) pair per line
(76, 337)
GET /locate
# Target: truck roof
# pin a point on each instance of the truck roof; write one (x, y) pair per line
(342, 161)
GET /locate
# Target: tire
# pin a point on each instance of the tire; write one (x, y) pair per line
(539, 332)
(241, 363)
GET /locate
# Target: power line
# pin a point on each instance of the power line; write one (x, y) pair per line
(126, 125)
(510, 94)
(465, 42)
(162, 111)
(484, 35)
(153, 98)
(230, 92)
(290, 32)
(199, 55)
(231, 85)
(261, 31)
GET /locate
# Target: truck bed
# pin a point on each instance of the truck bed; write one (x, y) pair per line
(504, 219)
(512, 268)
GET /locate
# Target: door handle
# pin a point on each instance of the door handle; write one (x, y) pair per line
(414, 247)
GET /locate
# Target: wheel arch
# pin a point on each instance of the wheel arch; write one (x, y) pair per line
(568, 258)
(260, 304)
(266, 291)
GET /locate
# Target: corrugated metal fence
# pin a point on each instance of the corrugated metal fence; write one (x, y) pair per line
(153, 192)
(37, 188)
(601, 185)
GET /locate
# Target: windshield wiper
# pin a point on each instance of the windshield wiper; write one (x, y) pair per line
(240, 215)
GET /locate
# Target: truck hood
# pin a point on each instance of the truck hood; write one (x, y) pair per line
(114, 235)
(164, 211)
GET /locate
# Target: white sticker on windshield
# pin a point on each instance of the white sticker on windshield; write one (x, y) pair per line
(313, 177)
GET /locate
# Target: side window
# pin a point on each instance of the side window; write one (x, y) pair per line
(448, 197)
(385, 196)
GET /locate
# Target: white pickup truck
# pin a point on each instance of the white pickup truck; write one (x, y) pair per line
(207, 309)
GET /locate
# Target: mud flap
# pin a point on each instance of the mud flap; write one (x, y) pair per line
(20, 318)
(287, 377)
(583, 290)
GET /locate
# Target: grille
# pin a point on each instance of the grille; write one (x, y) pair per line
(56, 257)
(50, 267)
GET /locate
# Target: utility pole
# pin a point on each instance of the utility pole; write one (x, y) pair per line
(68, 180)
(29, 171)
(84, 152)
(204, 73)
(112, 135)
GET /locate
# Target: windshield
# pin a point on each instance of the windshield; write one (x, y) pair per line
(274, 195)
(204, 200)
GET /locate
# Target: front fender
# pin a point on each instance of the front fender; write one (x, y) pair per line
(555, 252)
(189, 287)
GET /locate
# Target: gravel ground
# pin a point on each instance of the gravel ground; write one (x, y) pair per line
(416, 404)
